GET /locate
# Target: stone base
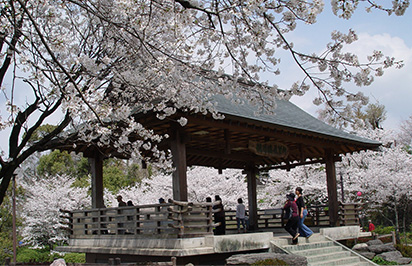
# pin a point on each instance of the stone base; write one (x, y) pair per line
(99, 248)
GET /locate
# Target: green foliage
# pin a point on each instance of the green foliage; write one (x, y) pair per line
(269, 262)
(40, 132)
(75, 258)
(56, 162)
(381, 230)
(380, 261)
(6, 225)
(405, 250)
(6, 247)
(114, 175)
(117, 173)
(28, 255)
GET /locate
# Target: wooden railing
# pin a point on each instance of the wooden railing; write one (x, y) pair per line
(176, 219)
(317, 216)
(183, 219)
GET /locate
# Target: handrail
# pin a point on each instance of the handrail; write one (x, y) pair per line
(175, 219)
(182, 219)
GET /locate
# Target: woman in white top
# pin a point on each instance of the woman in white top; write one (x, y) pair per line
(240, 215)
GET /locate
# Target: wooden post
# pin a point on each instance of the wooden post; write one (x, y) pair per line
(178, 148)
(14, 220)
(332, 188)
(252, 197)
(96, 165)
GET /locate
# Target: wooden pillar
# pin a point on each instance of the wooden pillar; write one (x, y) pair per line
(252, 197)
(96, 165)
(178, 148)
(332, 188)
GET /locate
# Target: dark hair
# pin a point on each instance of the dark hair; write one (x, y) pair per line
(299, 189)
(208, 199)
(217, 197)
(130, 203)
(290, 196)
(239, 200)
(161, 200)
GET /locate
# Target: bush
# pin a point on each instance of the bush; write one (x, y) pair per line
(380, 261)
(6, 247)
(75, 257)
(29, 255)
(381, 230)
(405, 250)
(269, 262)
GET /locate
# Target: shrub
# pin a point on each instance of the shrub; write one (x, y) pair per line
(29, 255)
(269, 262)
(381, 230)
(75, 257)
(380, 261)
(405, 250)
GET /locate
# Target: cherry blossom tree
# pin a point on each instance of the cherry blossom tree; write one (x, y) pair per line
(311, 178)
(202, 182)
(41, 208)
(383, 178)
(405, 134)
(93, 62)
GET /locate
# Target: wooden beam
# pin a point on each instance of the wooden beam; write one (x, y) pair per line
(332, 188)
(178, 148)
(262, 130)
(227, 141)
(292, 165)
(232, 156)
(96, 171)
(252, 197)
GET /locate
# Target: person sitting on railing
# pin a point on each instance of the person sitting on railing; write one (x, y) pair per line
(120, 201)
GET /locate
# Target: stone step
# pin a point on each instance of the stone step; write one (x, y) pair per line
(339, 261)
(361, 263)
(306, 246)
(317, 251)
(287, 240)
(327, 256)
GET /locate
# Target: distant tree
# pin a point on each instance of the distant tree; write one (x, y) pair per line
(375, 115)
(405, 134)
(44, 197)
(356, 117)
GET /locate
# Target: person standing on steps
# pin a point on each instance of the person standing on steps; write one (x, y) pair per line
(303, 212)
(292, 224)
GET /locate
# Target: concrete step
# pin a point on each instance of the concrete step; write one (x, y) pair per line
(361, 263)
(339, 261)
(328, 256)
(318, 251)
(284, 240)
(307, 246)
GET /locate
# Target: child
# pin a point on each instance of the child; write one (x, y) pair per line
(240, 215)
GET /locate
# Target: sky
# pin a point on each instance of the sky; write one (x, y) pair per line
(377, 31)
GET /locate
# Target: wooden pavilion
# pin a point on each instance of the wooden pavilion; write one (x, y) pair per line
(242, 140)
